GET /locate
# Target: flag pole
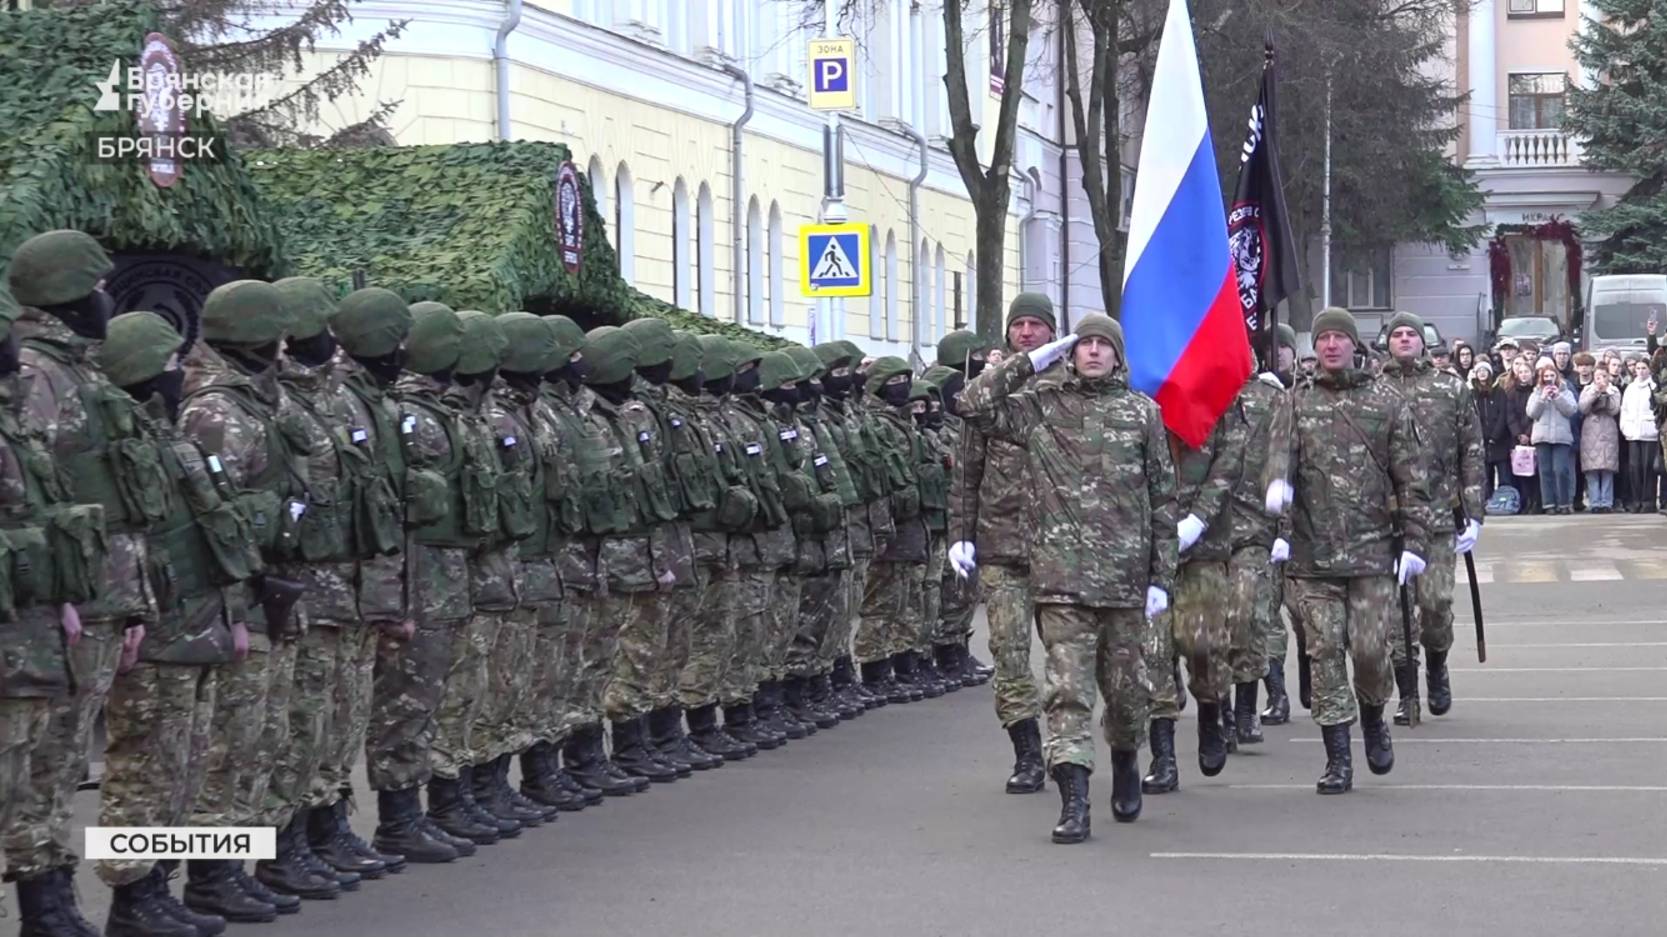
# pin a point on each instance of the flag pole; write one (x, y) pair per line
(1270, 335)
(1325, 205)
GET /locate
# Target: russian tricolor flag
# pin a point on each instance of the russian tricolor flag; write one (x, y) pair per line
(1181, 314)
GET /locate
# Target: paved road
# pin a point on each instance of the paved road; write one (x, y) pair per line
(1538, 806)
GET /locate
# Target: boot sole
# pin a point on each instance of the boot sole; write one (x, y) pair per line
(1069, 840)
(1344, 790)
(1209, 771)
(266, 917)
(1156, 789)
(1124, 817)
(1020, 789)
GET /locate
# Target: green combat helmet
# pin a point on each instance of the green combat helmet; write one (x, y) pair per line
(776, 370)
(883, 370)
(834, 355)
(308, 303)
(920, 390)
(371, 322)
(137, 348)
(245, 313)
(57, 267)
(436, 338)
(717, 357)
(955, 348)
(654, 338)
(810, 364)
(484, 343)
(533, 346)
(612, 353)
(686, 356)
(569, 338)
(938, 375)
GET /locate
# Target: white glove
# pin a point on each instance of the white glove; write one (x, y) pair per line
(1271, 379)
(1465, 542)
(1043, 358)
(1157, 601)
(1409, 568)
(1281, 551)
(963, 556)
(1279, 497)
(1189, 530)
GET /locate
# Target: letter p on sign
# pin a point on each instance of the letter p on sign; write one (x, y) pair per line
(831, 85)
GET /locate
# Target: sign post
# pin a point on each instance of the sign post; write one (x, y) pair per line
(833, 87)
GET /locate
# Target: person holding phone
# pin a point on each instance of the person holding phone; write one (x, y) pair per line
(1552, 406)
(1638, 428)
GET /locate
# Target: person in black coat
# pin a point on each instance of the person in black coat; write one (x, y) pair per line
(1496, 429)
(1517, 387)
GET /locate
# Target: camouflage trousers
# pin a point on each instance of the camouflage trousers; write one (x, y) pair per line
(505, 719)
(957, 603)
(781, 623)
(1089, 649)
(822, 599)
(38, 838)
(568, 702)
(600, 648)
(639, 619)
(712, 639)
(1347, 618)
(753, 592)
(539, 718)
(456, 742)
(22, 721)
(160, 718)
(931, 596)
(312, 700)
(842, 625)
(885, 612)
(243, 738)
(1250, 606)
(1011, 616)
(1196, 633)
(681, 608)
(1284, 620)
(409, 682)
(1432, 602)
(348, 715)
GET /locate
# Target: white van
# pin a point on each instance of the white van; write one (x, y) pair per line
(1619, 308)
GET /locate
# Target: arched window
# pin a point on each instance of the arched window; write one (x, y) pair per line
(891, 286)
(877, 309)
(625, 223)
(755, 263)
(705, 234)
(598, 185)
(940, 303)
(920, 309)
(778, 299)
(681, 235)
(972, 293)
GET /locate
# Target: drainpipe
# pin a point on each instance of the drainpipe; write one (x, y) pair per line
(500, 64)
(737, 192)
(1065, 186)
(1033, 193)
(919, 139)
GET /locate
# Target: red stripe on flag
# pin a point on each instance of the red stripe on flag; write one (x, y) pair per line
(1210, 371)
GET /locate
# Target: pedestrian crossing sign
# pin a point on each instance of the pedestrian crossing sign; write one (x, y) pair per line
(834, 260)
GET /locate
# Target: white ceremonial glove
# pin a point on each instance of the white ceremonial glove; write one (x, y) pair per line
(1271, 379)
(1466, 541)
(1043, 358)
(1189, 530)
(1279, 497)
(1157, 601)
(1409, 568)
(963, 556)
(1281, 551)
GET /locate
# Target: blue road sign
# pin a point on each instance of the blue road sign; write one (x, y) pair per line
(834, 260)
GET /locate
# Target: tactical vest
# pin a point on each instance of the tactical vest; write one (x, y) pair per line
(51, 551)
(326, 529)
(276, 499)
(757, 464)
(453, 503)
(565, 481)
(119, 466)
(378, 471)
(521, 514)
(693, 473)
(932, 474)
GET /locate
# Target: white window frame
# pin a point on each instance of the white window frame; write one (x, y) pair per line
(1349, 285)
(778, 297)
(706, 271)
(755, 263)
(625, 222)
(681, 237)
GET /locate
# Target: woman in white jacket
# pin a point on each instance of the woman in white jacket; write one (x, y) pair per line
(1551, 405)
(1639, 430)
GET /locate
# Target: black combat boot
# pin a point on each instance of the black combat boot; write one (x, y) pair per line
(1245, 717)
(1163, 777)
(1212, 748)
(212, 888)
(344, 805)
(1441, 690)
(846, 686)
(946, 660)
(539, 781)
(590, 795)
(471, 778)
(1180, 685)
(139, 910)
(930, 677)
(1305, 681)
(1380, 755)
(632, 756)
(876, 680)
(588, 764)
(666, 729)
(704, 731)
(1072, 781)
(1229, 725)
(347, 881)
(451, 813)
(1125, 786)
(740, 724)
(46, 905)
(908, 675)
(770, 707)
(291, 874)
(981, 672)
(822, 695)
(327, 841)
(1406, 687)
(1339, 761)
(286, 904)
(398, 830)
(208, 925)
(523, 805)
(1279, 704)
(1028, 772)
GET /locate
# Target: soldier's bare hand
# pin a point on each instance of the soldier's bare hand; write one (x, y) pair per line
(240, 640)
(666, 580)
(398, 630)
(70, 619)
(131, 639)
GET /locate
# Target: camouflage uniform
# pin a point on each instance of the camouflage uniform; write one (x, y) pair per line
(562, 412)
(933, 472)
(890, 602)
(1102, 521)
(825, 589)
(1253, 621)
(693, 474)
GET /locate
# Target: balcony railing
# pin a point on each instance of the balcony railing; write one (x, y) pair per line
(1535, 149)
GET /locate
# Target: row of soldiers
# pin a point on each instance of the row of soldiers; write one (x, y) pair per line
(1312, 497)
(450, 540)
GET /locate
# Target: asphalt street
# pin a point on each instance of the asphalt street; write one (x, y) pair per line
(1538, 806)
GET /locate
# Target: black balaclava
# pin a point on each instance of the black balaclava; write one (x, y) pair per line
(169, 385)
(810, 392)
(923, 418)
(89, 316)
(476, 385)
(897, 395)
(256, 360)
(573, 372)
(314, 351)
(10, 360)
(524, 381)
(746, 382)
(656, 374)
(975, 367)
(838, 387)
(788, 396)
(616, 393)
(443, 377)
(952, 386)
(384, 368)
(692, 384)
(934, 416)
(722, 387)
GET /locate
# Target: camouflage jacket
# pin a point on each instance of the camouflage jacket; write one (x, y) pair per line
(529, 448)
(60, 382)
(845, 425)
(1257, 402)
(581, 439)
(719, 533)
(806, 476)
(1451, 433)
(1348, 446)
(934, 470)
(367, 409)
(900, 443)
(1101, 514)
(675, 467)
(1205, 478)
(773, 545)
(657, 544)
(494, 574)
(700, 474)
(436, 577)
(34, 661)
(833, 480)
(990, 493)
(326, 530)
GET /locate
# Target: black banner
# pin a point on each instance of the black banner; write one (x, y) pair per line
(1258, 226)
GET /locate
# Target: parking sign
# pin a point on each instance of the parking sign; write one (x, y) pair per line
(833, 80)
